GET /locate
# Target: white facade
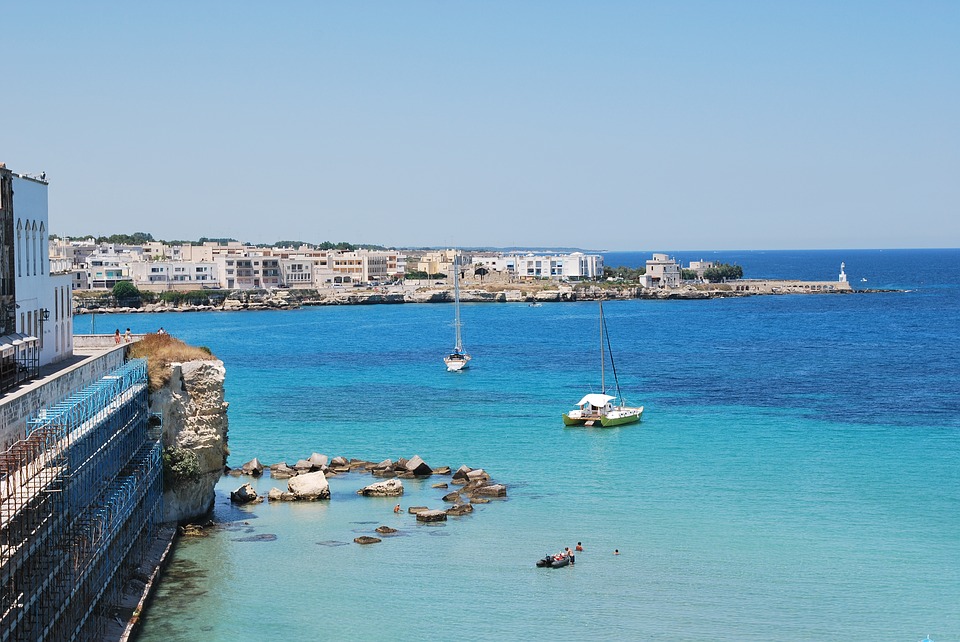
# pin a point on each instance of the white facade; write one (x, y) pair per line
(43, 300)
(663, 271)
(576, 266)
(297, 272)
(158, 276)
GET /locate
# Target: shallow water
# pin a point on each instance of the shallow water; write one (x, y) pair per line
(794, 477)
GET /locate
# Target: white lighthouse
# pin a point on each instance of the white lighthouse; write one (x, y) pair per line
(843, 275)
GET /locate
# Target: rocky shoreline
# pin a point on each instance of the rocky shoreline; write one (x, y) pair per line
(534, 294)
(307, 481)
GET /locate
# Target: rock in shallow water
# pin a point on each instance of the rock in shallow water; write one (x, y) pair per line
(245, 495)
(366, 539)
(389, 488)
(309, 487)
(432, 516)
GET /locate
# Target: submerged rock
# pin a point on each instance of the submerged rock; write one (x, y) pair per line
(385, 530)
(366, 539)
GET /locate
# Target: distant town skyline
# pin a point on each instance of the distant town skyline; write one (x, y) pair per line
(609, 125)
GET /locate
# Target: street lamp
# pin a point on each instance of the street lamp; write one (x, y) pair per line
(44, 316)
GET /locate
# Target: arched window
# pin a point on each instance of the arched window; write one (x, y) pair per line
(36, 248)
(27, 242)
(44, 250)
(19, 248)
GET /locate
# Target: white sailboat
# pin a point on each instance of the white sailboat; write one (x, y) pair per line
(597, 408)
(458, 359)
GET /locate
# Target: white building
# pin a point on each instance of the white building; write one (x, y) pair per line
(160, 276)
(573, 267)
(36, 320)
(663, 272)
(297, 272)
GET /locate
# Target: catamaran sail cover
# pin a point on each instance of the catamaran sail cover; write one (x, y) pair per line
(596, 400)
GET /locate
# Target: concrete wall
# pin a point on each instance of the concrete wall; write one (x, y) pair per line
(20, 404)
(101, 341)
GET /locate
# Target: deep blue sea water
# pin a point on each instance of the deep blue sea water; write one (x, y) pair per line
(795, 476)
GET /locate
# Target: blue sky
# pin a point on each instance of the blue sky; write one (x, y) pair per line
(606, 125)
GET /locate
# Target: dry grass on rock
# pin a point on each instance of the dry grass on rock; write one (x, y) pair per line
(160, 350)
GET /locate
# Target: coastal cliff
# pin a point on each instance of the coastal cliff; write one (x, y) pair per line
(194, 416)
(186, 393)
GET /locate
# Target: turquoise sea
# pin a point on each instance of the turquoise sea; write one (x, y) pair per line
(795, 476)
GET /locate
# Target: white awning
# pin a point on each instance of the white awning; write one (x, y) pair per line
(597, 400)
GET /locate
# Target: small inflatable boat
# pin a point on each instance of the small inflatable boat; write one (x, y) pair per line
(555, 561)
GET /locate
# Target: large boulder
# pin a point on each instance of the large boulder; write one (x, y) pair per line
(252, 467)
(282, 472)
(477, 475)
(383, 472)
(413, 510)
(460, 509)
(493, 490)
(417, 466)
(318, 460)
(275, 495)
(389, 488)
(432, 516)
(309, 486)
(452, 497)
(303, 466)
(245, 495)
(461, 472)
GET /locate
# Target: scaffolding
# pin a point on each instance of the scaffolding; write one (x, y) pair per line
(79, 503)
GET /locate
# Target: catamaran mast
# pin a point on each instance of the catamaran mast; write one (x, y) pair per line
(603, 385)
(456, 302)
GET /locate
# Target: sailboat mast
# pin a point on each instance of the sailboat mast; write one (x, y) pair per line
(456, 301)
(603, 385)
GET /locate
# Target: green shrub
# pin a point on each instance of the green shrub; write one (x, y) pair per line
(180, 465)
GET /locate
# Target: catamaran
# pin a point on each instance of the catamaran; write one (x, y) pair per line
(597, 408)
(458, 359)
